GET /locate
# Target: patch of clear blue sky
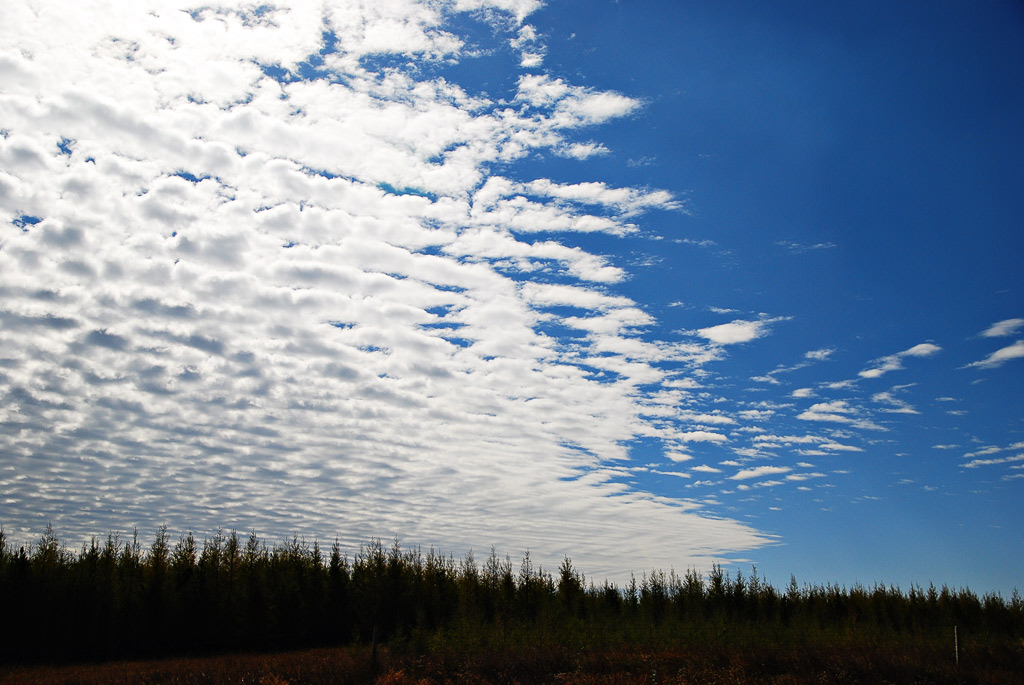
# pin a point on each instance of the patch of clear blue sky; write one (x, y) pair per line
(888, 135)
(888, 131)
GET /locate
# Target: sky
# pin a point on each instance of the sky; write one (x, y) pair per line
(649, 284)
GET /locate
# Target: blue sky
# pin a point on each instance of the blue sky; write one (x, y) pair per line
(648, 284)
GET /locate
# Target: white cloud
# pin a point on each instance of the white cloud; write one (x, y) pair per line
(838, 411)
(824, 445)
(625, 200)
(801, 393)
(678, 456)
(531, 49)
(582, 150)
(563, 294)
(787, 439)
(737, 331)
(820, 355)
(682, 383)
(922, 350)
(705, 418)
(1001, 356)
(895, 362)
(520, 9)
(798, 248)
(702, 436)
(974, 463)
(804, 476)
(759, 471)
(677, 474)
(573, 106)
(994, 449)
(894, 405)
(834, 407)
(1003, 328)
(839, 447)
(531, 59)
(756, 414)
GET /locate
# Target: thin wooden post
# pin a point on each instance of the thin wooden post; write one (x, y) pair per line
(956, 646)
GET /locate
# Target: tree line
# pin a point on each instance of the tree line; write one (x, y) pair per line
(116, 598)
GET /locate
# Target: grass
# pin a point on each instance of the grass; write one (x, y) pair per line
(764, 663)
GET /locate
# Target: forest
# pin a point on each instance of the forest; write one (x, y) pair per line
(118, 599)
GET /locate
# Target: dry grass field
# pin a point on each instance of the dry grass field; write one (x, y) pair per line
(549, 665)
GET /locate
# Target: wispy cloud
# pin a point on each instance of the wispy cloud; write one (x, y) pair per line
(823, 445)
(839, 447)
(1000, 356)
(706, 418)
(804, 476)
(759, 471)
(894, 362)
(838, 411)
(974, 463)
(626, 200)
(799, 248)
(994, 449)
(821, 354)
(893, 404)
(786, 439)
(1003, 328)
(810, 358)
(677, 474)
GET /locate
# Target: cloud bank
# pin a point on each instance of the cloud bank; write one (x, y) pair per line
(258, 271)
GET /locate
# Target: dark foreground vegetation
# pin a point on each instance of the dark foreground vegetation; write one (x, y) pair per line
(235, 610)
